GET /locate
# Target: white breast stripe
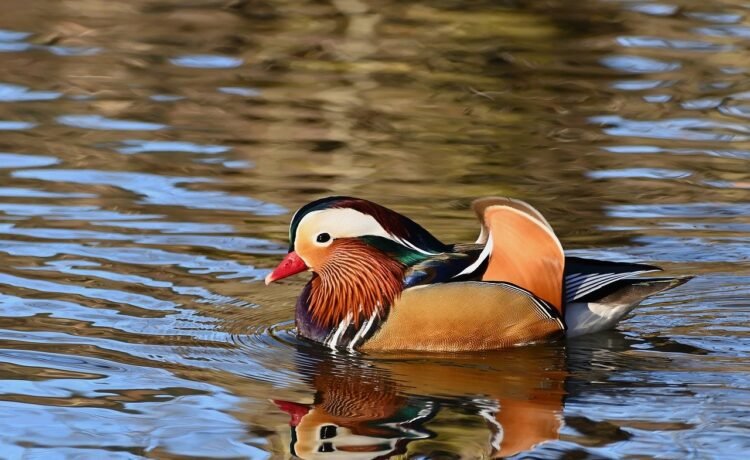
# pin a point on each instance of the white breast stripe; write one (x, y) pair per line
(482, 256)
(340, 330)
(362, 331)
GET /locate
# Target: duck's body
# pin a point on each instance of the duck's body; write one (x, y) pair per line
(382, 282)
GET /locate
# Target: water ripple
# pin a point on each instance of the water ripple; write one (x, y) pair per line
(172, 227)
(31, 193)
(166, 97)
(133, 146)
(691, 129)
(158, 414)
(716, 17)
(110, 295)
(157, 189)
(725, 31)
(650, 149)
(682, 210)
(72, 213)
(196, 264)
(207, 61)
(640, 85)
(658, 42)
(19, 93)
(104, 123)
(15, 160)
(14, 47)
(232, 244)
(8, 125)
(639, 64)
(654, 9)
(154, 147)
(240, 91)
(12, 35)
(638, 173)
(73, 50)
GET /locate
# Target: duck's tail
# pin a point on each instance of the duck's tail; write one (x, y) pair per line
(594, 315)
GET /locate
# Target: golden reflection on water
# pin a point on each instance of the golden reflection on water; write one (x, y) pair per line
(363, 409)
(151, 152)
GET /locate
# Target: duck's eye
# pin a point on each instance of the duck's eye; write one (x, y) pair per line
(323, 238)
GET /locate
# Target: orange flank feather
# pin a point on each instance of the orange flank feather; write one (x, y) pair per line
(356, 281)
(525, 252)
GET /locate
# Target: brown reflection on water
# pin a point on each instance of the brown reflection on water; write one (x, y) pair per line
(369, 409)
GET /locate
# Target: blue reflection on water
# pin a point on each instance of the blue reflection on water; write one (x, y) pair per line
(132, 146)
(207, 61)
(104, 123)
(15, 160)
(19, 93)
(7, 125)
(157, 189)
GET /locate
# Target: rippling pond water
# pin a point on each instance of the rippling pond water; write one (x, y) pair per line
(153, 150)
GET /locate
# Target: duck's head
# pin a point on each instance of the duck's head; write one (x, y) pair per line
(357, 250)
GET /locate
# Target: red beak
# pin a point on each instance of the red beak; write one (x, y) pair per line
(291, 265)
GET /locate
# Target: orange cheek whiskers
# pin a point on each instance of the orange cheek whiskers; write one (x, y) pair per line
(356, 280)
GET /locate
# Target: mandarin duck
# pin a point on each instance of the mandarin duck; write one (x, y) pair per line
(381, 282)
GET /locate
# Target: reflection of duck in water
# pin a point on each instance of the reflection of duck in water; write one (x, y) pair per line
(463, 406)
(352, 419)
(382, 282)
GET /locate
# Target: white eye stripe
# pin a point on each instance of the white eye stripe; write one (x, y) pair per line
(347, 223)
(339, 223)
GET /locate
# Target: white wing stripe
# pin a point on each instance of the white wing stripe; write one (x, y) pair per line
(575, 277)
(590, 287)
(482, 256)
(593, 282)
(596, 287)
(596, 280)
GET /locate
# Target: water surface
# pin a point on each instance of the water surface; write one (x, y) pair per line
(152, 151)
